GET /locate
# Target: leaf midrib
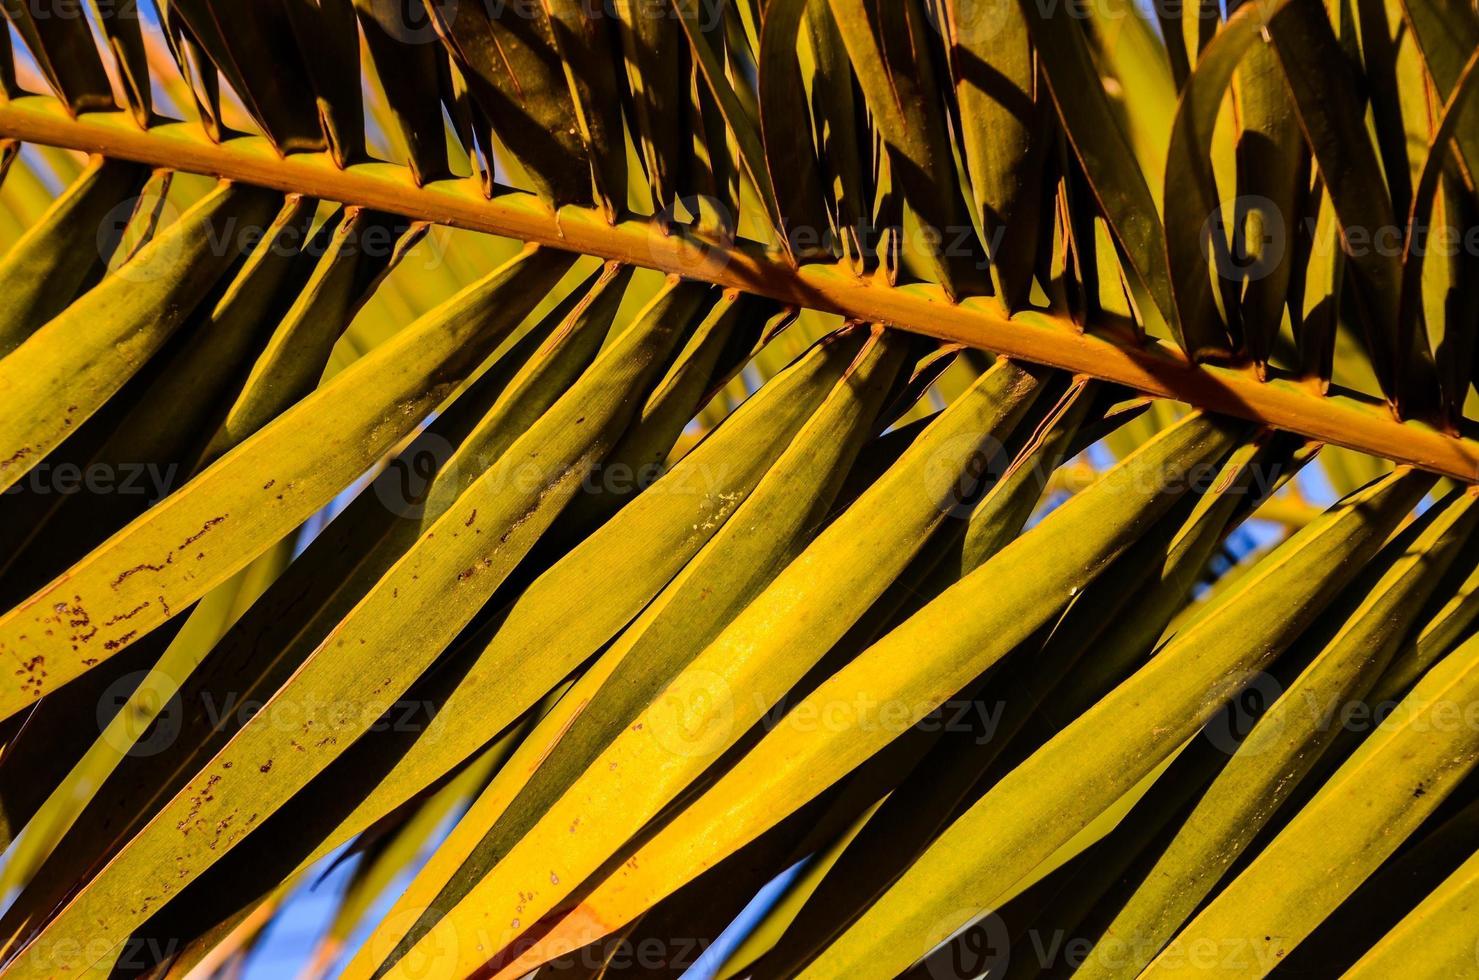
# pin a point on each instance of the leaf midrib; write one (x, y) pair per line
(1343, 418)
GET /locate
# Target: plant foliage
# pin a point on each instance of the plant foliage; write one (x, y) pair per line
(909, 487)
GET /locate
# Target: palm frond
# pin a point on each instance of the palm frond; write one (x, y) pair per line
(844, 474)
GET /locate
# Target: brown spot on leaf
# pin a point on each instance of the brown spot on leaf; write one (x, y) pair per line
(120, 617)
(130, 572)
(202, 532)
